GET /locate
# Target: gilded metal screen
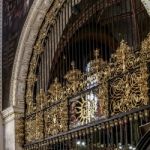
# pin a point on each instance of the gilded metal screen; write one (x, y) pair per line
(87, 85)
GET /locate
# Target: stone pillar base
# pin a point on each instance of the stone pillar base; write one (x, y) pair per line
(9, 128)
(1, 132)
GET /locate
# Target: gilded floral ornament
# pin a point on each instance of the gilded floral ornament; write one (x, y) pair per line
(39, 126)
(143, 83)
(130, 89)
(56, 119)
(30, 130)
(43, 34)
(145, 49)
(19, 129)
(95, 65)
(29, 95)
(115, 94)
(103, 99)
(122, 60)
(31, 79)
(33, 63)
(51, 15)
(55, 91)
(73, 78)
(38, 48)
(41, 99)
(29, 101)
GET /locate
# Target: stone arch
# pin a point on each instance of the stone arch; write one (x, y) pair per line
(27, 39)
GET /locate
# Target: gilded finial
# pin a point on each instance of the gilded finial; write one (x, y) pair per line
(55, 91)
(95, 64)
(73, 65)
(56, 80)
(96, 53)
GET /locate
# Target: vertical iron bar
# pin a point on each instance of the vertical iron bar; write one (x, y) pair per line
(126, 131)
(136, 128)
(131, 130)
(121, 131)
(135, 24)
(116, 131)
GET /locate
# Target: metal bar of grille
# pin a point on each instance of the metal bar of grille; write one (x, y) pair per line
(79, 28)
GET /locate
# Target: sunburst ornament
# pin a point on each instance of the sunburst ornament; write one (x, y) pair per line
(85, 109)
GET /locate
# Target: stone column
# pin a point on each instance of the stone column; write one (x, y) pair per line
(1, 132)
(9, 129)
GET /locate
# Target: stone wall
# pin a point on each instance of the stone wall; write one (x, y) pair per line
(14, 14)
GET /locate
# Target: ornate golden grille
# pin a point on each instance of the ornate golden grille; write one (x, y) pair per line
(116, 89)
(78, 78)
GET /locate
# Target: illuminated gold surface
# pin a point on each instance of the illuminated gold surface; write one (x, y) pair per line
(55, 92)
(122, 83)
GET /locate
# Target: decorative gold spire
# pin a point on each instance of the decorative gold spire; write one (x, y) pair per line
(145, 49)
(55, 91)
(123, 60)
(73, 78)
(96, 64)
(73, 74)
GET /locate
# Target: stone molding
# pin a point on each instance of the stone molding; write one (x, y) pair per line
(9, 117)
(27, 39)
(10, 113)
(1, 131)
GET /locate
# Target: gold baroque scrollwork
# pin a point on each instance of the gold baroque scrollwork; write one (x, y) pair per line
(124, 79)
(19, 129)
(145, 49)
(129, 78)
(39, 126)
(122, 60)
(31, 79)
(33, 63)
(95, 65)
(73, 78)
(56, 119)
(103, 99)
(29, 101)
(41, 99)
(126, 92)
(30, 124)
(56, 92)
(38, 49)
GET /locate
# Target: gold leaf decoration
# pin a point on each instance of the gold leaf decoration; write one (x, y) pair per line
(56, 119)
(41, 99)
(55, 91)
(73, 78)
